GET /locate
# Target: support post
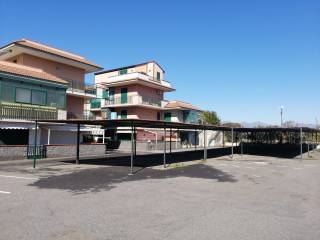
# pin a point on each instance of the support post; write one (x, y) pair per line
(195, 139)
(132, 150)
(301, 150)
(35, 143)
(49, 135)
(164, 149)
(78, 144)
(103, 135)
(241, 144)
(135, 141)
(232, 143)
(170, 140)
(204, 144)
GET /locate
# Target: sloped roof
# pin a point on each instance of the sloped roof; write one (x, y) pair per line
(180, 105)
(45, 48)
(21, 70)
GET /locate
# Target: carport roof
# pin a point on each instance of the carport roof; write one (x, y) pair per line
(163, 124)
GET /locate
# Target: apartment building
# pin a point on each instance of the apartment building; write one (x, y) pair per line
(137, 92)
(38, 81)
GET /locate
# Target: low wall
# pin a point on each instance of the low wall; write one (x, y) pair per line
(8, 152)
(70, 150)
(149, 146)
(13, 152)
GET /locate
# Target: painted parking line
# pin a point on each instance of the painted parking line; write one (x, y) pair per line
(5, 192)
(17, 177)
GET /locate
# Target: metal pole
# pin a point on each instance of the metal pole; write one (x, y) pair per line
(204, 144)
(164, 149)
(78, 144)
(170, 140)
(35, 144)
(195, 139)
(49, 134)
(132, 149)
(241, 144)
(232, 143)
(135, 141)
(301, 143)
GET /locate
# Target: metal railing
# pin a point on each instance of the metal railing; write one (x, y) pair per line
(78, 86)
(27, 112)
(39, 151)
(135, 99)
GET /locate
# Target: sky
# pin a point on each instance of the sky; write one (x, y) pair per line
(242, 59)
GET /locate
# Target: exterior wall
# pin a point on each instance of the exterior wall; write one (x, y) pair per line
(135, 89)
(58, 69)
(139, 113)
(75, 105)
(63, 137)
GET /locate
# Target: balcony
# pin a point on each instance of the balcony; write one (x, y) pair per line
(140, 77)
(80, 89)
(134, 100)
(13, 111)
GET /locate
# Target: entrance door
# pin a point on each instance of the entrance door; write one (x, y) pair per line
(111, 96)
(124, 95)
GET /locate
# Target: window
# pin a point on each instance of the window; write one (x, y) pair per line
(105, 93)
(56, 100)
(39, 97)
(124, 114)
(158, 75)
(7, 93)
(123, 71)
(167, 116)
(124, 95)
(158, 116)
(23, 95)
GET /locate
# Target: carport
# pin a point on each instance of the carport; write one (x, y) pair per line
(302, 134)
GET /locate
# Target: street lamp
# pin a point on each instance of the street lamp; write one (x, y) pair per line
(281, 115)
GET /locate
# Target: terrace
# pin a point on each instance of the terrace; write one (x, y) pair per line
(137, 76)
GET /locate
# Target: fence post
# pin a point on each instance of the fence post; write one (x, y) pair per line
(35, 143)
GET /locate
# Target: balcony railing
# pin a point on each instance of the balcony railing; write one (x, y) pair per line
(80, 87)
(27, 112)
(134, 100)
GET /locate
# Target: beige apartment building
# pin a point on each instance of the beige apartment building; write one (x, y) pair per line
(137, 92)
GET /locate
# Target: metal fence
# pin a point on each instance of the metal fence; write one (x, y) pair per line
(40, 151)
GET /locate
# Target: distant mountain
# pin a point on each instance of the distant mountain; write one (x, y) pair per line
(286, 124)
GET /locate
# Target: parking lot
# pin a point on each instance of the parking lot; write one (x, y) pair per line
(249, 197)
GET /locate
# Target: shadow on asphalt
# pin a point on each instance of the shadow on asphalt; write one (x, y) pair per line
(155, 159)
(107, 178)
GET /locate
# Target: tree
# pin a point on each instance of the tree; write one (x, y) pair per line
(210, 117)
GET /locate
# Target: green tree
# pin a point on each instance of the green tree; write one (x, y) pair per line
(210, 117)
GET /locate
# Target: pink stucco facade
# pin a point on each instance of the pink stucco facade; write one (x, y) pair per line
(64, 71)
(74, 104)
